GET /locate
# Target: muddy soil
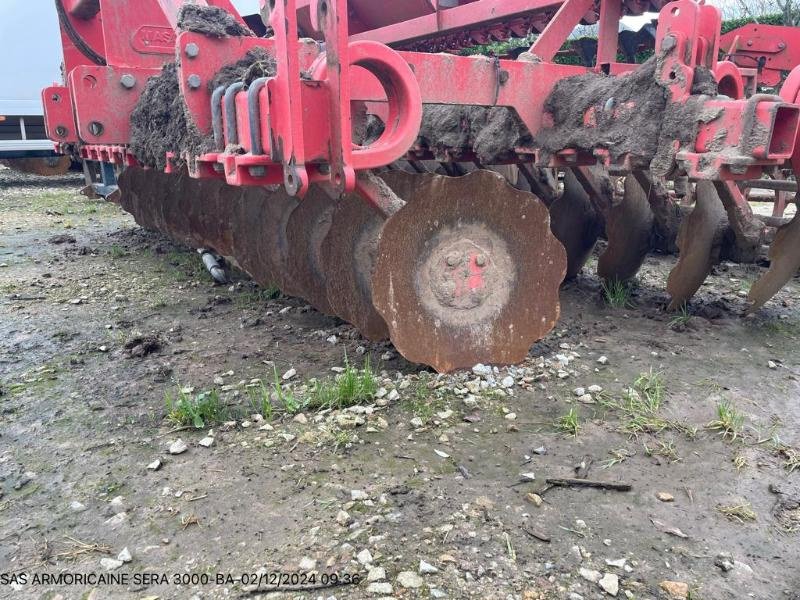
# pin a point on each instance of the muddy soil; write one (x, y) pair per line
(95, 333)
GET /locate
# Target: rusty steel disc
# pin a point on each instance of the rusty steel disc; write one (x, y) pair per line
(629, 225)
(405, 185)
(574, 222)
(238, 222)
(308, 225)
(698, 241)
(784, 255)
(348, 256)
(468, 272)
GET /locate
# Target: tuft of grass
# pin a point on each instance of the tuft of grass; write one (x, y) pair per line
(666, 449)
(729, 421)
(421, 400)
(284, 395)
(617, 294)
(198, 411)
(680, 318)
(343, 439)
(738, 512)
(642, 402)
(569, 423)
(117, 251)
(619, 456)
(256, 296)
(259, 396)
(349, 388)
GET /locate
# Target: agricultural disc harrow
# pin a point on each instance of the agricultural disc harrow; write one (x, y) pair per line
(351, 156)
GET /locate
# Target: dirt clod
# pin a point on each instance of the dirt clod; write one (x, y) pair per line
(210, 20)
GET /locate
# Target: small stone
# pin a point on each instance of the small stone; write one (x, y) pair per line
(772, 365)
(289, 374)
(665, 496)
(579, 391)
(725, 561)
(445, 414)
(393, 395)
(586, 399)
(441, 454)
(117, 519)
(511, 416)
(178, 447)
(358, 495)
(343, 518)
(300, 418)
(482, 370)
(534, 499)
(529, 476)
(590, 574)
(541, 450)
(380, 589)
(437, 593)
(364, 557)
(507, 382)
(307, 564)
(676, 589)
(76, 506)
(594, 389)
(603, 360)
(610, 584)
(206, 442)
(125, 555)
(417, 422)
(376, 574)
(409, 579)
(427, 568)
(618, 563)
(110, 564)
(332, 339)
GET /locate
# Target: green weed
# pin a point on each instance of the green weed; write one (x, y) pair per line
(680, 318)
(351, 387)
(256, 296)
(421, 400)
(569, 423)
(729, 421)
(198, 410)
(260, 402)
(117, 251)
(617, 293)
(284, 395)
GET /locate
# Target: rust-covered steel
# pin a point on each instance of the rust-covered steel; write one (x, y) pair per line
(448, 280)
(699, 242)
(629, 225)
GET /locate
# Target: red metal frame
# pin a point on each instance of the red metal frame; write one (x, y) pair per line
(772, 50)
(297, 130)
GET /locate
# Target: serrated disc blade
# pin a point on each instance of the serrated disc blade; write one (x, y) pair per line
(468, 271)
(629, 224)
(698, 242)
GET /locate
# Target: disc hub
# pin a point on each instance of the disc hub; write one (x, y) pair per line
(467, 269)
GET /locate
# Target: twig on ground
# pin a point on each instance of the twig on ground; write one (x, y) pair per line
(573, 482)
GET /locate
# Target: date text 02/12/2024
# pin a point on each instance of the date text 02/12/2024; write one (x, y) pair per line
(273, 579)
